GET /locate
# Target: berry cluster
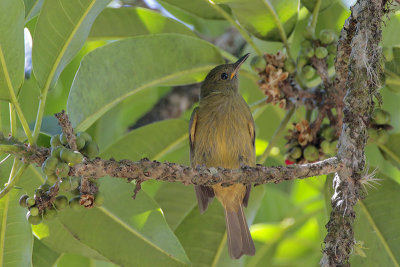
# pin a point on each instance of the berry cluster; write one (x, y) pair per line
(46, 202)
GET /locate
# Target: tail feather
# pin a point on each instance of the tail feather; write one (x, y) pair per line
(239, 238)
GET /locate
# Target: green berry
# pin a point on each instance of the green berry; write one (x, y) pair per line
(34, 211)
(35, 220)
(91, 150)
(65, 185)
(326, 147)
(98, 199)
(373, 135)
(49, 165)
(63, 139)
(22, 201)
(45, 187)
(308, 52)
(308, 72)
(257, 63)
(69, 156)
(49, 214)
(85, 136)
(332, 49)
(55, 151)
(74, 203)
(321, 52)
(61, 202)
(301, 61)
(30, 201)
(388, 53)
(295, 152)
(311, 153)
(383, 136)
(75, 183)
(80, 142)
(308, 33)
(381, 116)
(55, 141)
(289, 66)
(328, 133)
(76, 158)
(51, 178)
(327, 36)
(39, 192)
(62, 169)
(333, 146)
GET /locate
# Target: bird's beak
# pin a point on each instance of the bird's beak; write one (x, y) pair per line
(239, 63)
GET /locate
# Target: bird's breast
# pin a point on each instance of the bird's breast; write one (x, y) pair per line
(223, 137)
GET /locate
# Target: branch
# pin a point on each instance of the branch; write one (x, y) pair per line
(145, 169)
(357, 69)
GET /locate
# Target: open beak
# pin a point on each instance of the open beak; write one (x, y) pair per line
(239, 63)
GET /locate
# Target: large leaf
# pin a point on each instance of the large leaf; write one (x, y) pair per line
(16, 238)
(43, 256)
(144, 238)
(11, 47)
(117, 23)
(388, 38)
(392, 71)
(61, 30)
(203, 235)
(32, 8)
(153, 141)
(113, 72)
(263, 18)
(199, 8)
(379, 235)
(391, 150)
(310, 4)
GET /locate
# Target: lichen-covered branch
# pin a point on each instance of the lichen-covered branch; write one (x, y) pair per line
(147, 170)
(358, 69)
(67, 129)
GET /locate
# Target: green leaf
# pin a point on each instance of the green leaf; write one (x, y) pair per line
(116, 23)
(32, 8)
(203, 235)
(11, 47)
(264, 18)
(391, 149)
(310, 4)
(392, 71)
(200, 8)
(144, 238)
(380, 235)
(174, 209)
(113, 72)
(160, 138)
(61, 30)
(43, 256)
(388, 38)
(16, 238)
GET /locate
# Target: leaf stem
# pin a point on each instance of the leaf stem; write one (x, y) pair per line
(14, 99)
(315, 15)
(14, 177)
(39, 116)
(236, 25)
(275, 138)
(13, 120)
(281, 30)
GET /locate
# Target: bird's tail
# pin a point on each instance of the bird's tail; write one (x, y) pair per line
(239, 238)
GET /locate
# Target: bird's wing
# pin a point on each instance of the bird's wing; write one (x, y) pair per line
(204, 194)
(252, 132)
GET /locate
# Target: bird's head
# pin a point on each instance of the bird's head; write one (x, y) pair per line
(222, 78)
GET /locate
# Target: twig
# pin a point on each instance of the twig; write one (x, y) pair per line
(67, 129)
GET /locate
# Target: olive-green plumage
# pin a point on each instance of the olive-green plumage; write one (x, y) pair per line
(221, 134)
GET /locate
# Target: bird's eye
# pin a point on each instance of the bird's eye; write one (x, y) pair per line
(224, 76)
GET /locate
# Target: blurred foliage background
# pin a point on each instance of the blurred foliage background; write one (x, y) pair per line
(109, 64)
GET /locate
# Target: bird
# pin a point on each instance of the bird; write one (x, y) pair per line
(222, 134)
